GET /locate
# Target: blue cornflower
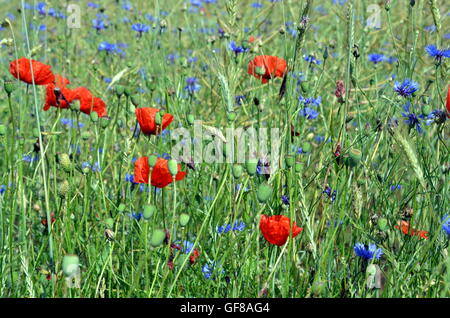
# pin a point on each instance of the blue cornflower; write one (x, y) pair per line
(2, 188)
(136, 216)
(406, 88)
(41, 8)
(236, 49)
(436, 116)
(311, 59)
(446, 224)
(140, 28)
(127, 6)
(224, 228)
(285, 199)
(172, 57)
(212, 268)
(376, 58)
(319, 138)
(330, 193)
(196, 3)
(93, 5)
(96, 167)
(239, 99)
(438, 55)
(99, 24)
(368, 253)
(396, 187)
(412, 119)
(310, 101)
(29, 158)
(129, 178)
(85, 165)
(340, 2)
(309, 113)
(192, 85)
(238, 226)
(257, 5)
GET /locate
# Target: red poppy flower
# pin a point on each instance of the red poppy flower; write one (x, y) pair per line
(146, 118)
(21, 69)
(44, 220)
(161, 176)
(448, 102)
(193, 257)
(276, 229)
(62, 97)
(89, 102)
(414, 232)
(265, 67)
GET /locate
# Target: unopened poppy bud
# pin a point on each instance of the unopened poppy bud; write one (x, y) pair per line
(231, 116)
(325, 53)
(412, 3)
(63, 188)
(356, 51)
(282, 30)
(2, 130)
(264, 193)
(289, 160)
(184, 219)
(382, 224)
(85, 135)
(94, 117)
(190, 119)
(135, 100)
(260, 70)
(163, 24)
(298, 167)
(70, 265)
(121, 207)
(35, 133)
(251, 165)
(426, 109)
(157, 237)
(65, 162)
(104, 122)
(237, 171)
(120, 90)
(152, 160)
(149, 210)
(306, 147)
(173, 167)
(127, 91)
(9, 86)
(109, 222)
(387, 5)
(305, 87)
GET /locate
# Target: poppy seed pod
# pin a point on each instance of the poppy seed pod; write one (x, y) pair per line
(306, 147)
(157, 237)
(63, 188)
(35, 133)
(149, 210)
(70, 265)
(134, 100)
(127, 91)
(173, 167)
(120, 90)
(104, 122)
(94, 117)
(9, 86)
(231, 116)
(184, 219)
(190, 119)
(121, 207)
(109, 223)
(251, 165)
(237, 171)
(65, 162)
(264, 193)
(152, 160)
(289, 160)
(298, 167)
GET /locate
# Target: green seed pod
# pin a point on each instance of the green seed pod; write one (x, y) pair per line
(109, 223)
(318, 288)
(251, 166)
(135, 100)
(127, 91)
(231, 116)
(426, 109)
(298, 167)
(120, 90)
(306, 147)
(149, 210)
(305, 87)
(70, 265)
(157, 238)
(382, 224)
(245, 44)
(237, 171)
(121, 207)
(354, 157)
(173, 167)
(190, 119)
(184, 219)
(94, 117)
(63, 188)
(85, 135)
(9, 86)
(2, 130)
(75, 107)
(289, 160)
(65, 162)
(264, 192)
(152, 160)
(35, 133)
(104, 122)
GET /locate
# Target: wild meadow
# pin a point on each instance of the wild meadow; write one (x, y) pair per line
(224, 148)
